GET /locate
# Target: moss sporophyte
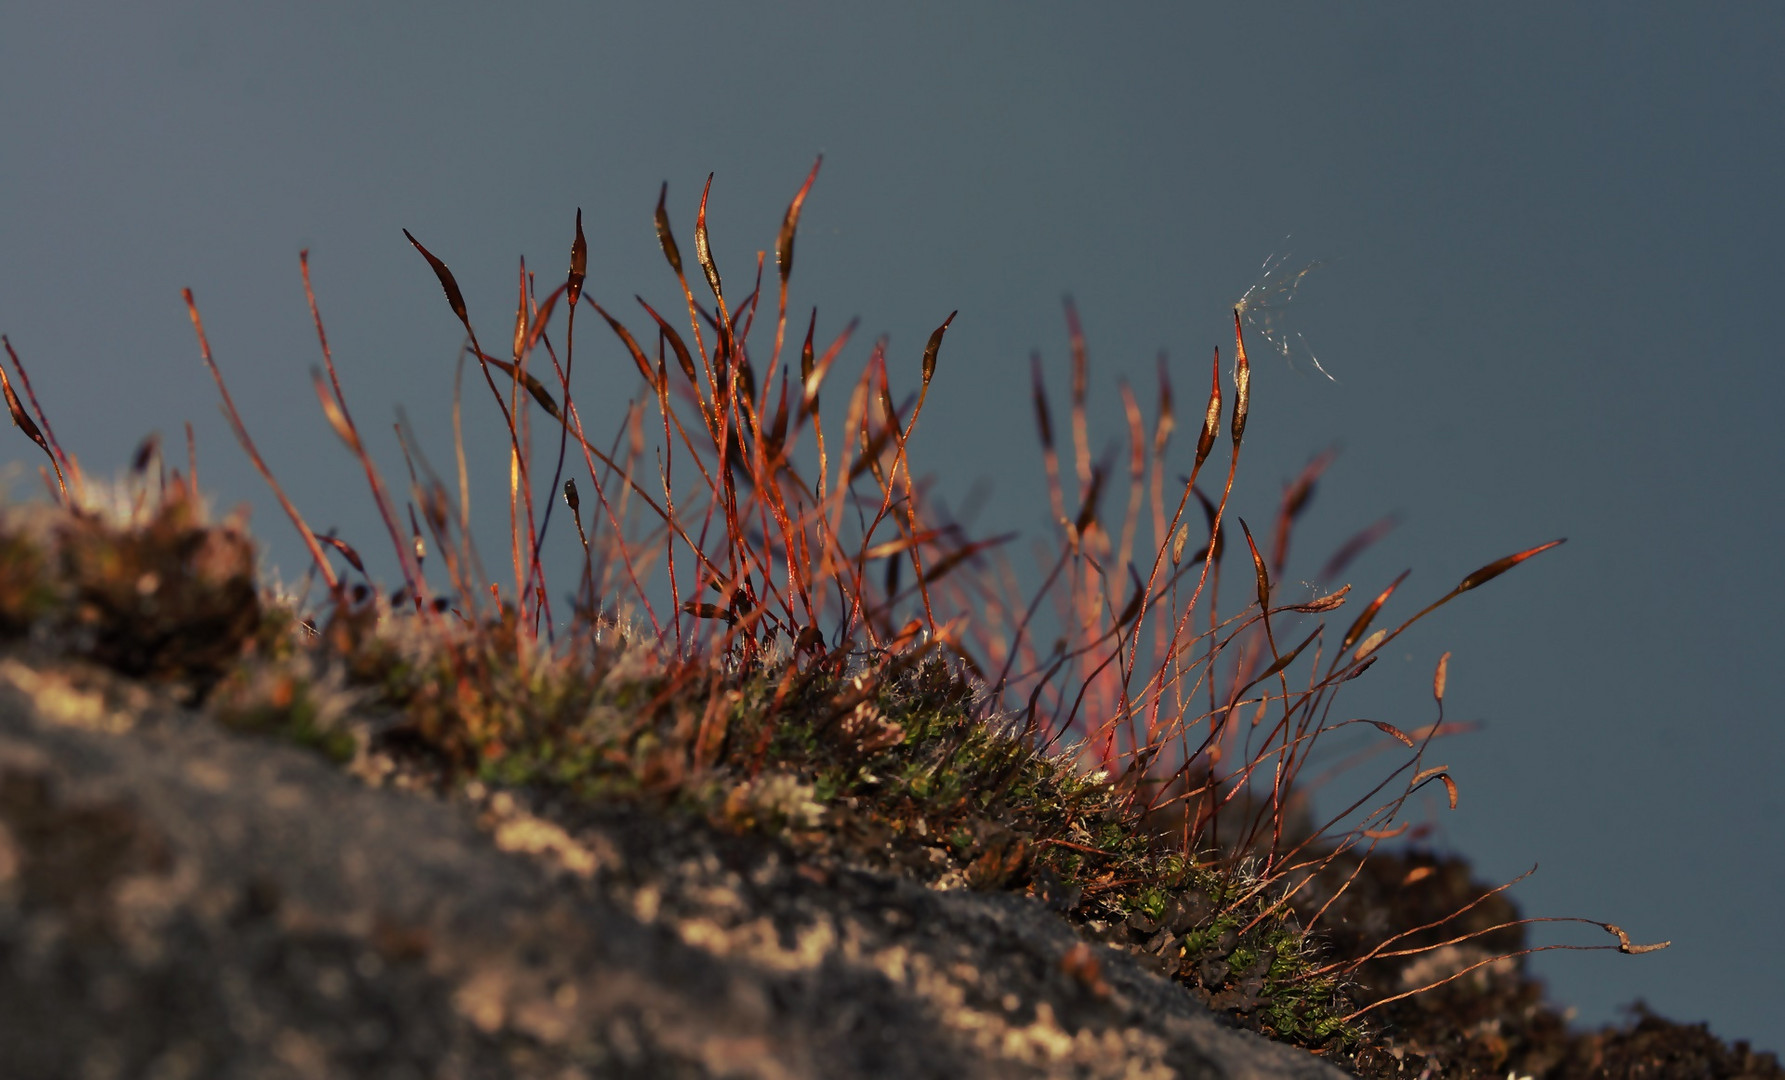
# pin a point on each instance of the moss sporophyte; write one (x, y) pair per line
(775, 627)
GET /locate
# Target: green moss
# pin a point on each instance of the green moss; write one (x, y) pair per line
(26, 590)
(270, 699)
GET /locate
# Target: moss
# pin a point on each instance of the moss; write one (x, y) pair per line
(887, 754)
(882, 758)
(26, 592)
(173, 600)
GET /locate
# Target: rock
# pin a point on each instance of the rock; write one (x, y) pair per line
(179, 901)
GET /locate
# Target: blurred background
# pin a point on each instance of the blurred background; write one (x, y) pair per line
(1549, 244)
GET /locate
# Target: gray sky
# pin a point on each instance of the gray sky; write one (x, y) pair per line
(1550, 238)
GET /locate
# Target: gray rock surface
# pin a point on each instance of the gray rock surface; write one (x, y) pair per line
(178, 901)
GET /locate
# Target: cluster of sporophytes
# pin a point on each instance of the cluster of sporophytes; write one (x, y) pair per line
(789, 635)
